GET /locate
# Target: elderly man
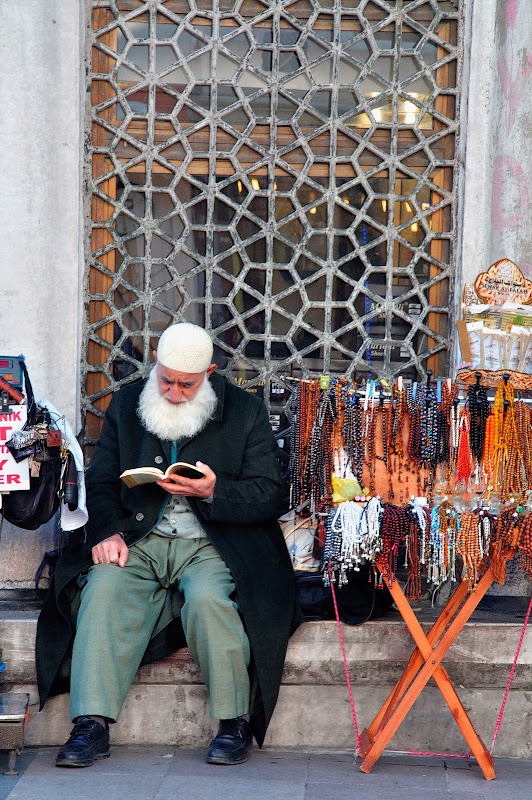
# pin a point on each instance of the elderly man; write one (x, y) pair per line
(200, 562)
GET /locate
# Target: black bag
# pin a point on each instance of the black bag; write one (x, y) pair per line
(33, 507)
(358, 600)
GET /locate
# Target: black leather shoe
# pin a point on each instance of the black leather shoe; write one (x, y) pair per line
(232, 744)
(88, 741)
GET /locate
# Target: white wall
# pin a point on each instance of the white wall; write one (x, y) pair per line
(41, 227)
(40, 193)
(497, 170)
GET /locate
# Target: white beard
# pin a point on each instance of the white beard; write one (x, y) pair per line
(174, 421)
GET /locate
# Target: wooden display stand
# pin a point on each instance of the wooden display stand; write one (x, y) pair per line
(424, 663)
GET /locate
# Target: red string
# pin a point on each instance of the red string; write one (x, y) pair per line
(499, 718)
(359, 740)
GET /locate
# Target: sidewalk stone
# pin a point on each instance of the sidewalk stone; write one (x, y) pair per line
(167, 773)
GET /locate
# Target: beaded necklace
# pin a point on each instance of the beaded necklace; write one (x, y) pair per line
(417, 528)
(388, 449)
(442, 543)
(358, 446)
(294, 463)
(304, 408)
(525, 545)
(510, 464)
(394, 524)
(414, 438)
(397, 435)
(470, 548)
(337, 435)
(498, 440)
(428, 435)
(346, 524)
(429, 410)
(503, 411)
(488, 458)
(441, 446)
(523, 428)
(382, 411)
(348, 433)
(454, 436)
(413, 581)
(479, 409)
(331, 551)
(463, 460)
(353, 535)
(414, 408)
(506, 536)
(449, 401)
(370, 524)
(370, 428)
(318, 466)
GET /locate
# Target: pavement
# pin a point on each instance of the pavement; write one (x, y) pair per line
(169, 773)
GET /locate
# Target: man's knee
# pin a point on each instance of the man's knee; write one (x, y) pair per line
(103, 582)
(205, 599)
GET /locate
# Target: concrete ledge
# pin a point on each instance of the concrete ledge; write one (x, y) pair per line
(168, 703)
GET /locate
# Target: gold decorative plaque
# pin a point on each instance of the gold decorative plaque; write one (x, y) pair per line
(504, 283)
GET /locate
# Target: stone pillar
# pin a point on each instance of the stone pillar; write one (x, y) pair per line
(497, 172)
(41, 225)
(496, 156)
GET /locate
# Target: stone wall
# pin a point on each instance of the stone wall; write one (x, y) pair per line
(497, 165)
(41, 225)
(168, 703)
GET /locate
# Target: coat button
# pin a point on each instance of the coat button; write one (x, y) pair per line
(158, 459)
(139, 517)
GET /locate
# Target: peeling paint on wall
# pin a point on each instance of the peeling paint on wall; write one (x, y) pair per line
(512, 166)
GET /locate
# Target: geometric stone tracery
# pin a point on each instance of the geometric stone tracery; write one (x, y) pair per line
(282, 173)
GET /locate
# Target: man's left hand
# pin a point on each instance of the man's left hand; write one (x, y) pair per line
(191, 487)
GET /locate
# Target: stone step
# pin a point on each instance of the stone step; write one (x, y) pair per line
(168, 703)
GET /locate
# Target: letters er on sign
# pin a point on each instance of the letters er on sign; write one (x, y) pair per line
(13, 476)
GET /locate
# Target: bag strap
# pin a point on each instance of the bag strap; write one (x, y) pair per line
(49, 560)
(30, 397)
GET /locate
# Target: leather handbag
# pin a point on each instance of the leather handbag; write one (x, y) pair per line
(33, 507)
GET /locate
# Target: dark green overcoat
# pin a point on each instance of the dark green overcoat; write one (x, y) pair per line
(241, 522)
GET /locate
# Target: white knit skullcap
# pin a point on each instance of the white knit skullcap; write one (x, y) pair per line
(185, 348)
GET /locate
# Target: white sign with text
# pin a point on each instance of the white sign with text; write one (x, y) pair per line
(13, 476)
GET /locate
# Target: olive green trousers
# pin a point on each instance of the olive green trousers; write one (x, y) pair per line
(122, 607)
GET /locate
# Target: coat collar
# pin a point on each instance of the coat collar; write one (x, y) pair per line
(218, 384)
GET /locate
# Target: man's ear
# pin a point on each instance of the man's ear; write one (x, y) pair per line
(154, 354)
(210, 370)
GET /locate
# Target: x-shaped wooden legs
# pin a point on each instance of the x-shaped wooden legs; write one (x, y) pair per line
(424, 663)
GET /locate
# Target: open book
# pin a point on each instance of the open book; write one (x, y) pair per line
(134, 477)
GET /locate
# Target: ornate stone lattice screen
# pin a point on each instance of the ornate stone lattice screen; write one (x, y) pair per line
(281, 172)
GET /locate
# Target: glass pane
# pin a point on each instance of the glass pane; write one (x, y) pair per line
(188, 43)
(164, 28)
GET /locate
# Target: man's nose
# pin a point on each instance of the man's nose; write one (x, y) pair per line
(175, 393)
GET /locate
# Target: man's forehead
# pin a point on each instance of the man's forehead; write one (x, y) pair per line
(182, 377)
